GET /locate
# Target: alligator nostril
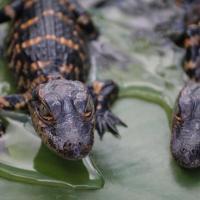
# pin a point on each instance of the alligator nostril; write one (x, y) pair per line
(67, 145)
(75, 150)
(75, 147)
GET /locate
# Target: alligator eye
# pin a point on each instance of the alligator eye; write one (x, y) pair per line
(89, 109)
(44, 112)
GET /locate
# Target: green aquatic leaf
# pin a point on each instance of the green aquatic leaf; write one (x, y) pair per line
(149, 93)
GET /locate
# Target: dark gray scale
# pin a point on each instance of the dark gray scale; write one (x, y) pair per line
(48, 49)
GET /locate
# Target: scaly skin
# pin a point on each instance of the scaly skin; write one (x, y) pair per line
(185, 141)
(48, 55)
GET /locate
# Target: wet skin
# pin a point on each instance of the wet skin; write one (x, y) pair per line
(185, 139)
(185, 143)
(48, 55)
(65, 113)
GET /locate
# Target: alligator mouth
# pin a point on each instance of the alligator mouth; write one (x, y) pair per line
(186, 150)
(186, 158)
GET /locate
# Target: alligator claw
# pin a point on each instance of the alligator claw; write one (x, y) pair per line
(107, 121)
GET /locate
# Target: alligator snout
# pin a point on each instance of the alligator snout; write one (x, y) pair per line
(76, 150)
(187, 151)
(185, 141)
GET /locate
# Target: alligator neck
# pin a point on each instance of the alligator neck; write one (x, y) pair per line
(44, 79)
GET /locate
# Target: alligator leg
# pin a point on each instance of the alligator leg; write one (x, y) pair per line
(83, 19)
(11, 102)
(104, 94)
(9, 11)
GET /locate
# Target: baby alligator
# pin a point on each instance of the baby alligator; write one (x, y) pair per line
(48, 55)
(185, 142)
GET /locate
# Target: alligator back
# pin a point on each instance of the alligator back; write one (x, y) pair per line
(45, 38)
